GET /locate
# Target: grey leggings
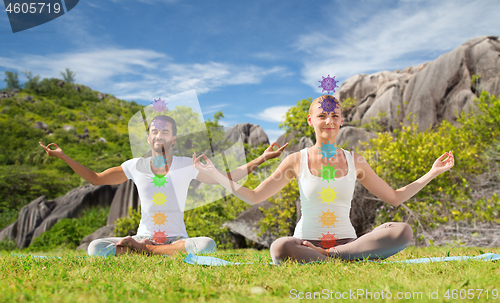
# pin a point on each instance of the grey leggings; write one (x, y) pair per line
(107, 246)
(382, 242)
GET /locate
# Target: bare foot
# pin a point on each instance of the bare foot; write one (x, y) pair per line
(318, 249)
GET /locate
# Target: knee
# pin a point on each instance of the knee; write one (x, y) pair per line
(200, 245)
(406, 234)
(101, 248)
(281, 247)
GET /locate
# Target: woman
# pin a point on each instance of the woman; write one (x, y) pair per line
(326, 176)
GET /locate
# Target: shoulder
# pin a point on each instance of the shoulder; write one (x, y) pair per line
(131, 162)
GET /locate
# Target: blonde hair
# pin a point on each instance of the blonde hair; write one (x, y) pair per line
(321, 98)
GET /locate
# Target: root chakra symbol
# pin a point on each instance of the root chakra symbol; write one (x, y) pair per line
(328, 195)
(328, 218)
(159, 237)
(328, 84)
(328, 173)
(159, 180)
(328, 240)
(159, 199)
(159, 218)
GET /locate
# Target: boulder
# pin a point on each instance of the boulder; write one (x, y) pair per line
(9, 232)
(30, 217)
(68, 127)
(247, 225)
(293, 145)
(353, 136)
(101, 139)
(41, 125)
(126, 196)
(73, 203)
(251, 134)
(60, 83)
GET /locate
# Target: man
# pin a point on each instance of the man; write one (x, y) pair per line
(162, 181)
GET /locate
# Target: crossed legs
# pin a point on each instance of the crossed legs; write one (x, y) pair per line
(382, 242)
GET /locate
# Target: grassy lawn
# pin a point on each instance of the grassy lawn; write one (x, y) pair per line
(78, 278)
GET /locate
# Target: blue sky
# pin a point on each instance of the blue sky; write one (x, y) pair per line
(251, 59)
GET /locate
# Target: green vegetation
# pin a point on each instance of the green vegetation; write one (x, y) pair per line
(135, 278)
(11, 80)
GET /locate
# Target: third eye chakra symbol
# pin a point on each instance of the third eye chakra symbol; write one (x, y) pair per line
(328, 84)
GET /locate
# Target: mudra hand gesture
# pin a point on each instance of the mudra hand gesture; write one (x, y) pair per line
(58, 152)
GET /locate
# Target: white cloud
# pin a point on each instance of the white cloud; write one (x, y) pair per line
(138, 74)
(213, 108)
(272, 114)
(393, 38)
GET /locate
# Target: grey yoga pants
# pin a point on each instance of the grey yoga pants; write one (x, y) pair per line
(107, 247)
(382, 242)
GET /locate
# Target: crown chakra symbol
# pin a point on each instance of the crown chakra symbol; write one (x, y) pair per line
(328, 84)
(160, 105)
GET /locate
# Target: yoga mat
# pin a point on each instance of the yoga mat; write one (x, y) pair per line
(212, 261)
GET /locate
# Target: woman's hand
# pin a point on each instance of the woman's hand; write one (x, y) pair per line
(207, 169)
(443, 163)
(318, 249)
(58, 152)
(269, 153)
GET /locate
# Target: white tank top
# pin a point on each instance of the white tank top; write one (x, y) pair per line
(325, 204)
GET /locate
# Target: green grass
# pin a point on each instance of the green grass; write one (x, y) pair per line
(133, 278)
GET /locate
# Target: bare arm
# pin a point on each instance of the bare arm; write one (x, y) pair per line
(244, 170)
(110, 176)
(272, 185)
(382, 190)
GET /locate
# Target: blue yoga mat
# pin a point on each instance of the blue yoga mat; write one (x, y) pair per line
(212, 261)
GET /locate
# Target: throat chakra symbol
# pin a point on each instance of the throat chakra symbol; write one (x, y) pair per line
(328, 84)
(328, 195)
(328, 240)
(328, 218)
(159, 199)
(328, 150)
(159, 180)
(159, 105)
(329, 104)
(328, 173)
(159, 237)
(159, 161)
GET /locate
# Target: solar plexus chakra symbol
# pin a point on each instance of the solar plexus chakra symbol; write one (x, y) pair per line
(328, 84)
(159, 218)
(328, 195)
(159, 161)
(159, 199)
(328, 219)
(328, 240)
(159, 237)
(159, 105)
(328, 173)
(329, 105)
(159, 180)
(328, 150)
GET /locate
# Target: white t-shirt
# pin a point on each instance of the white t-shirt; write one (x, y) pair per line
(162, 200)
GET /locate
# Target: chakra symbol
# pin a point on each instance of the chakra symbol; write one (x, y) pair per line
(328, 240)
(328, 218)
(159, 199)
(159, 218)
(328, 173)
(159, 161)
(328, 195)
(328, 150)
(159, 105)
(328, 84)
(159, 180)
(159, 124)
(329, 104)
(159, 237)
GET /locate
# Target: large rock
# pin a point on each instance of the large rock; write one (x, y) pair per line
(435, 91)
(353, 137)
(251, 134)
(247, 225)
(73, 203)
(30, 217)
(9, 232)
(126, 196)
(103, 232)
(294, 144)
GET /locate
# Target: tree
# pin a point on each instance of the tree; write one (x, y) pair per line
(68, 76)
(12, 80)
(32, 82)
(296, 120)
